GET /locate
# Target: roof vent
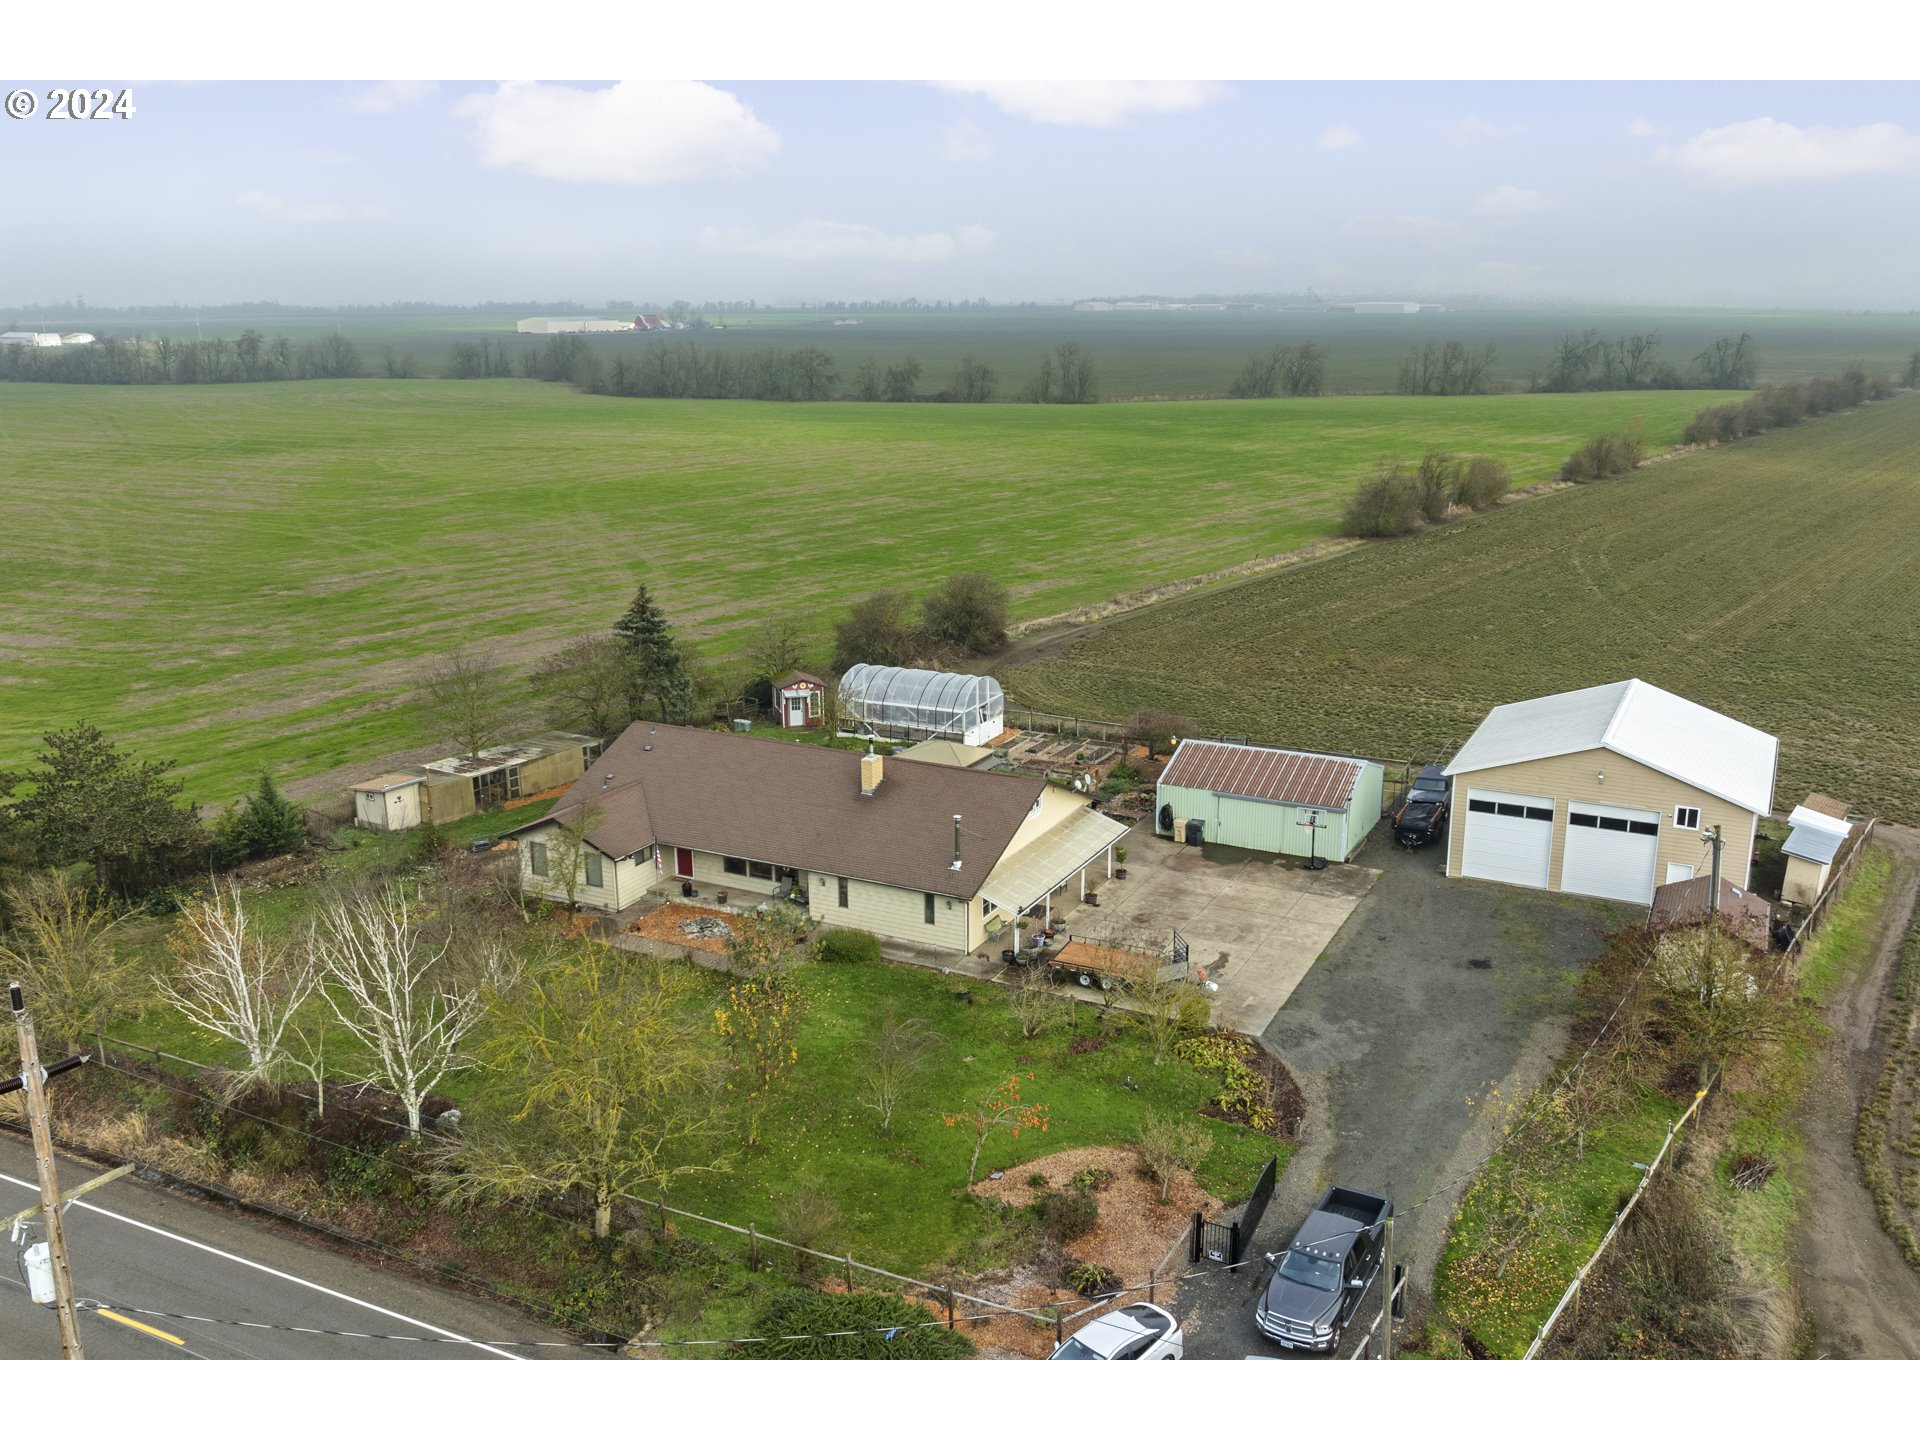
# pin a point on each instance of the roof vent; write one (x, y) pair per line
(646, 747)
(871, 771)
(956, 842)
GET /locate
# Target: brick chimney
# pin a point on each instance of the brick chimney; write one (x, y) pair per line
(870, 771)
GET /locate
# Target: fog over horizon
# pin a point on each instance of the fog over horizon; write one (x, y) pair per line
(1736, 194)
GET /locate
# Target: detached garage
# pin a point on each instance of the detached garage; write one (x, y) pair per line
(1261, 799)
(1610, 792)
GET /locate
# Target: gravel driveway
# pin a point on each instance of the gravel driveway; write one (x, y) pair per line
(1434, 992)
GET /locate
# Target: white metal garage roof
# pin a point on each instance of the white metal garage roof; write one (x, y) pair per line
(1708, 750)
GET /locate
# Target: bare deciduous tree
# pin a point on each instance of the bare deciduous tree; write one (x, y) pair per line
(586, 686)
(606, 1072)
(1168, 1010)
(60, 947)
(1169, 1145)
(897, 1055)
(1035, 1001)
(234, 981)
(569, 850)
(394, 989)
(464, 692)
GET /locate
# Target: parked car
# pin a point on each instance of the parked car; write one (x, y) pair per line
(1326, 1271)
(1421, 814)
(1138, 1332)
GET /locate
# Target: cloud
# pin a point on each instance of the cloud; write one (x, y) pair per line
(1473, 129)
(1339, 137)
(835, 240)
(1100, 103)
(1768, 151)
(1509, 200)
(1645, 130)
(311, 212)
(1433, 230)
(384, 96)
(965, 141)
(651, 132)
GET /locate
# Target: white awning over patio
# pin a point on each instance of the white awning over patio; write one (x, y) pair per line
(1037, 870)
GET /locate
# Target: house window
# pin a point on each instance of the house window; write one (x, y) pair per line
(760, 869)
(986, 907)
(513, 782)
(843, 892)
(591, 753)
(732, 866)
(596, 876)
(929, 912)
(1686, 817)
(537, 856)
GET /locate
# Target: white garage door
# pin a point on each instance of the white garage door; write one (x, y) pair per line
(1610, 852)
(1509, 838)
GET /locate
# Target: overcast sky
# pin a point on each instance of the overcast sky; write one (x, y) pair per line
(1749, 194)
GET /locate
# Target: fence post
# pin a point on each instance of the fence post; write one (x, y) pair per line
(1152, 1275)
(1059, 1327)
(950, 1307)
(848, 1257)
(1193, 1249)
(753, 1248)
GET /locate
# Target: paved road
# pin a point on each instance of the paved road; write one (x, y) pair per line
(1435, 992)
(146, 1248)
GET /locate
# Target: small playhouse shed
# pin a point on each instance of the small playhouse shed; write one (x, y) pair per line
(1261, 799)
(798, 699)
(889, 702)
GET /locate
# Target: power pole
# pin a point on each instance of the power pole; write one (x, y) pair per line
(1713, 898)
(33, 1080)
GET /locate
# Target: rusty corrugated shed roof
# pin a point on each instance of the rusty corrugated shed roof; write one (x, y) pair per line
(800, 806)
(1684, 902)
(1324, 782)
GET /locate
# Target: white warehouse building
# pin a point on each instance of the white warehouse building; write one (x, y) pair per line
(570, 325)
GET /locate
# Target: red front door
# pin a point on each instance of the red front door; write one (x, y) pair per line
(683, 862)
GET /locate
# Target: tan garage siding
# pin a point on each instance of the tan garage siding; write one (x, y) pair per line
(891, 914)
(1628, 784)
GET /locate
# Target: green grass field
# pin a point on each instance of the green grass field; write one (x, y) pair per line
(1175, 354)
(1773, 579)
(248, 577)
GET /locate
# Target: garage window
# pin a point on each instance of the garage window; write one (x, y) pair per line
(1686, 817)
(1643, 827)
(1612, 822)
(1591, 822)
(1480, 807)
(1535, 812)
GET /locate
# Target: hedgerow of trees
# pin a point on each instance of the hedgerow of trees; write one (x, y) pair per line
(252, 356)
(1449, 369)
(1605, 456)
(1284, 370)
(1773, 406)
(1065, 377)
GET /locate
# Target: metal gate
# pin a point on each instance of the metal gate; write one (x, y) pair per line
(1227, 1240)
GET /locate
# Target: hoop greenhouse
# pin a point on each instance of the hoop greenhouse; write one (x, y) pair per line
(889, 702)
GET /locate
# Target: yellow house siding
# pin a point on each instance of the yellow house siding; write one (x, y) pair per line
(623, 882)
(891, 913)
(1628, 784)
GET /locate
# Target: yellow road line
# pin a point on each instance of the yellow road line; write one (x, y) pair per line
(136, 1325)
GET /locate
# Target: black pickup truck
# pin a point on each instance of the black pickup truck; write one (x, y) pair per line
(1324, 1274)
(1421, 814)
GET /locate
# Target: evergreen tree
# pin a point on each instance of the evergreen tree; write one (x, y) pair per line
(89, 802)
(271, 824)
(658, 670)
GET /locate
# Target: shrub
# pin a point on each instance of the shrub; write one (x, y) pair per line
(1067, 1214)
(1484, 482)
(1605, 456)
(1092, 1180)
(1037, 1181)
(1089, 1279)
(1244, 1095)
(847, 947)
(1388, 504)
(1436, 482)
(888, 1328)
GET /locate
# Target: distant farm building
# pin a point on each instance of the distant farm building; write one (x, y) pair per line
(1608, 791)
(655, 322)
(888, 702)
(462, 785)
(30, 338)
(569, 325)
(1281, 801)
(1093, 305)
(76, 337)
(1387, 307)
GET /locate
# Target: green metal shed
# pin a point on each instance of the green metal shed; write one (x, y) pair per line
(1262, 799)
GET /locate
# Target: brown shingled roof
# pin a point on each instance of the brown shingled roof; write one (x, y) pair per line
(1321, 781)
(800, 806)
(1825, 805)
(1684, 902)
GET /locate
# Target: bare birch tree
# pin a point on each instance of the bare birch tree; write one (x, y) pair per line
(896, 1057)
(234, 981)
(396, 992)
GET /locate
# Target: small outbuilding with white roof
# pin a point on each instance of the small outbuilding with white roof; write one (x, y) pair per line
(1818, 829)
(1610, 791)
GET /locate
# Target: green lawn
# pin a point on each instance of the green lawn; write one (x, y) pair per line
(1773, 579)
(248, 577)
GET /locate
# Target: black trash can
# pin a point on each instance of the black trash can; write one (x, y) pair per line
(481, 847)
(1195, 830)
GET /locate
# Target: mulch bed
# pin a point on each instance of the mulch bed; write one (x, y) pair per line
(689, 925)
(1289, 1106)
